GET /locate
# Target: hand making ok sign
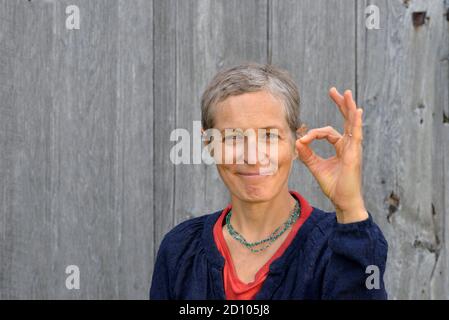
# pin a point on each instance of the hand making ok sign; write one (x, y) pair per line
(340, 176)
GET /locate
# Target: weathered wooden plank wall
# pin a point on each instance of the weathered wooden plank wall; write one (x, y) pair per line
(402, 80)
(86, 117)
(77, 154)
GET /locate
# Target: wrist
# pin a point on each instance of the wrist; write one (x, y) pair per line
(350, 214)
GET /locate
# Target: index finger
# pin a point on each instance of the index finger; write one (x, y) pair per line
(339, 101)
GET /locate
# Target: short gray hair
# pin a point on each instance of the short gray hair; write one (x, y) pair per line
(251, 77)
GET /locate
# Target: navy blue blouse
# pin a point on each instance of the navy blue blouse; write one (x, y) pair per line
(325, 260)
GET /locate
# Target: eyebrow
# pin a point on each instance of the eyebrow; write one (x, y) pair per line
(266, 128)
(273, 127)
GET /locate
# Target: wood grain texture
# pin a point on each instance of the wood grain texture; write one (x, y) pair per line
(402, 84)
(80, 181)
(86, 117)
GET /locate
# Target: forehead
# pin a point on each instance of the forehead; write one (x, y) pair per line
(250, 110)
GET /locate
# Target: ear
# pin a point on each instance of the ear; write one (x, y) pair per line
(301, 131)
(295, 152)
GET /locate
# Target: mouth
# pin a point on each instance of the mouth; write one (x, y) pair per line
(256, 174)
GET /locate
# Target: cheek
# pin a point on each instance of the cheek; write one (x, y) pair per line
(285, 161)
(225, 155)
(284, 155)
(225, 171)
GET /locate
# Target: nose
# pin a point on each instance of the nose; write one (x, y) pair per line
(255, 151)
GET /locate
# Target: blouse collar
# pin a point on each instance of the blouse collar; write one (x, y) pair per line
(217, 260)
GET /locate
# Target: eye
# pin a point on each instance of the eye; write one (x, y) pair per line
(271, 136)
(231, 138)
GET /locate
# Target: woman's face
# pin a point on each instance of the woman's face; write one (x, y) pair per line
(261, 175)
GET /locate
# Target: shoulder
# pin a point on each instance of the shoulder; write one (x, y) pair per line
(185, 236)
(189, 228)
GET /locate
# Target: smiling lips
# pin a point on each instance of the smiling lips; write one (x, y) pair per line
(249, 173)
(254, 174)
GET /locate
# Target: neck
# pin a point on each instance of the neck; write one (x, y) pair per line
(257, 220)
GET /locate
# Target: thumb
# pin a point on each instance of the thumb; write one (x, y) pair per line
(305, 153)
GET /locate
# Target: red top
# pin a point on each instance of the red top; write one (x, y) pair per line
(235, 289)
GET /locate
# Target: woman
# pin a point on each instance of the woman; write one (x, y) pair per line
(269, 242)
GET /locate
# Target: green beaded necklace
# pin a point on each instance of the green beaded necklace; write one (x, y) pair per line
(296, 212)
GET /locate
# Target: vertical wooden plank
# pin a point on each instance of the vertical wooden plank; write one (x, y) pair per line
(315, 42)
(396, 75)
(110, 94)
(164, 13)
(26, 230)
(135, 148)
(88, 143)
(440, 162)
(9, 139)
